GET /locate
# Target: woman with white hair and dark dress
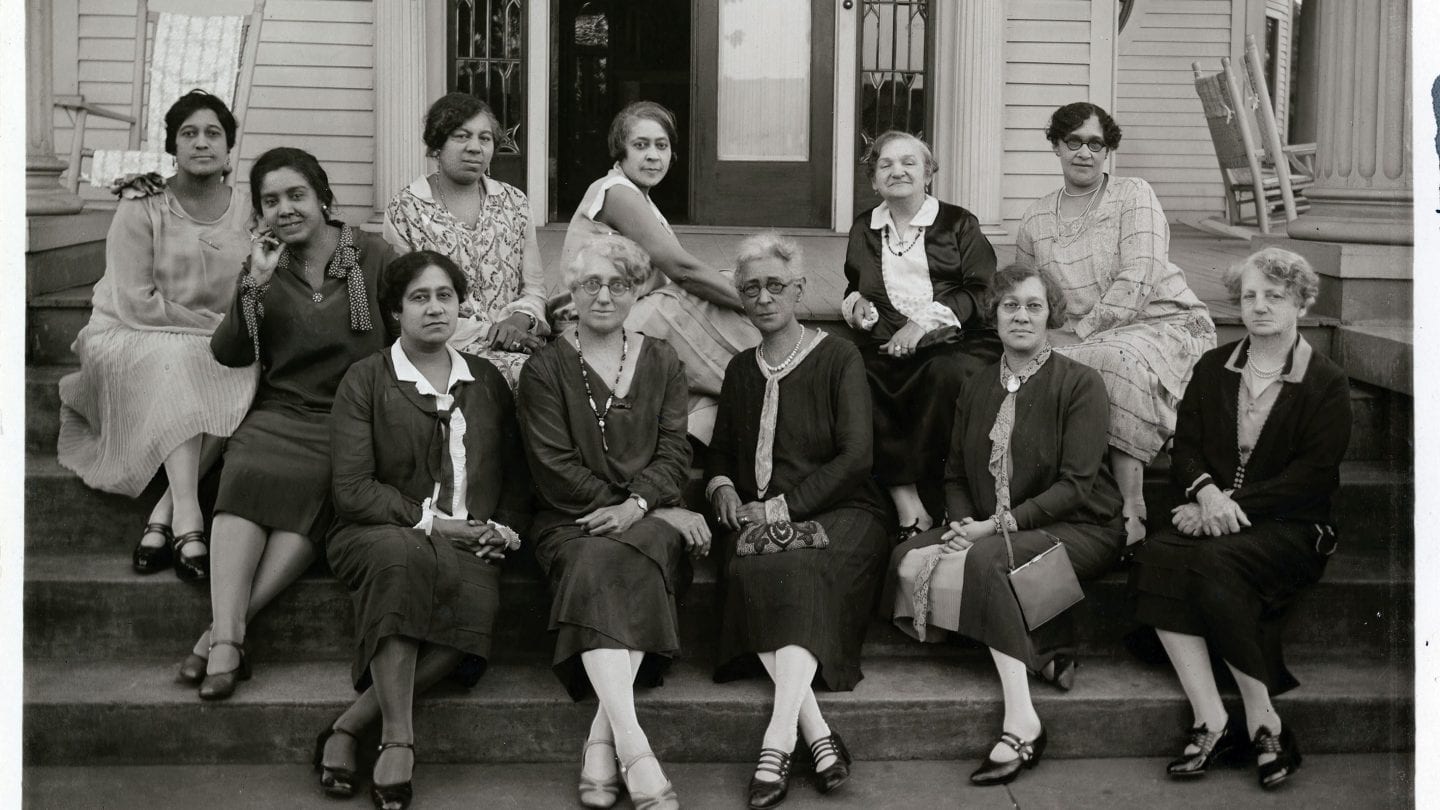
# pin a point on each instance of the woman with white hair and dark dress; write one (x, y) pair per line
(791, 454)
(1261, 433)
(915, 271)
(603, 414)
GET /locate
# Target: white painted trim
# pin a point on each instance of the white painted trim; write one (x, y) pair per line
(434, 50)
(537, 111)
(842, 187)
(1104, 48)
(65, 57)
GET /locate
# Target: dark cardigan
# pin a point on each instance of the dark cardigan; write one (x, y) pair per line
(1295, 466)
(961, 263)
(381, 435)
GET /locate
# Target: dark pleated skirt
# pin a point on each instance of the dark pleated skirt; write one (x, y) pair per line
(988, 610)
(277, 472)
(914, 404)
(1231, 590)
(819, 599)
(406, 584)
(613, 593)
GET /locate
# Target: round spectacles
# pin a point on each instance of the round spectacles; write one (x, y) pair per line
(773, 286)
(616, 286)
(1096, 145)
(1012, 307)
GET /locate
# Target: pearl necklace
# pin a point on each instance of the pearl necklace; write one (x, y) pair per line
(595, 409)
(790, 358)
(1092, 194)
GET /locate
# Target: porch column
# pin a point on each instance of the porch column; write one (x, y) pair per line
(969, 106)
(1362, 192)
(400, 97)
(43, 192)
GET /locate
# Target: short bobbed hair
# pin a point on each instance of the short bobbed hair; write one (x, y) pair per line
(1280, 266)
(288, 157)
(640, 111)
(191, 103)
(400, 273)
(449, 113)
(771, 244)
(872, 155)
(1071, 117)
(623, 254)
(1012, 276)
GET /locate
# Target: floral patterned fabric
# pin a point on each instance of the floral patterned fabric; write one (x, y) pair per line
(499, 256)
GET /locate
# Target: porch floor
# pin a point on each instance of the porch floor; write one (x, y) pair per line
(1203, 257)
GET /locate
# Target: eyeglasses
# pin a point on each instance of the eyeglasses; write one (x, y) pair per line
(1012, 307)
(773, 286)
(1096, 145)
(616, 286)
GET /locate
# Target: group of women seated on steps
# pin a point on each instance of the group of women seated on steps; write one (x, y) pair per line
(413, 409)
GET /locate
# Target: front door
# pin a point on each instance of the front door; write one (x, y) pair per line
(763, 112)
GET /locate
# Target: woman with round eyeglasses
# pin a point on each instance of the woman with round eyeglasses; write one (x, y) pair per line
(916, 269)
(1131, 315)
(793, 443)
(602, 410)
(687, 303)
(1027, 453)
(483, 225)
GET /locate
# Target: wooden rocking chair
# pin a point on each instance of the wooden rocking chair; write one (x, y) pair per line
(1267, 177)
(179, 57)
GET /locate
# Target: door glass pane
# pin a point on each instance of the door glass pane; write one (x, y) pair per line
(764, 80)
(892, 68)
(486, 39)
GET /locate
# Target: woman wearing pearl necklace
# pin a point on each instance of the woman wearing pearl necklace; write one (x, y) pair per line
(793, 443)
(1261, 433)
(1131, 315)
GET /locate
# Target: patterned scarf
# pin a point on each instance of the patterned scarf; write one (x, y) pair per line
(770, 412)
(345, 263)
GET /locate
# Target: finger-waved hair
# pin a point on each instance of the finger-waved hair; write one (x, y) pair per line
(1010, 277)
(624, 255)
(1280, 266)
(400, 273)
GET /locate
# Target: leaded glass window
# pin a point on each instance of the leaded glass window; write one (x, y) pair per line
(486, 45)
(894, 66)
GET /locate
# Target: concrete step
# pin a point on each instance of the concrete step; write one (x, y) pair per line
(1377, 781)
(95, 713)
(52, 319)
(1375, 507)
(81, 606)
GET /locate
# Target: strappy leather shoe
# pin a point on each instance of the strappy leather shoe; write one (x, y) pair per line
(393, 797)
(839, 771)
(149, 559)
(1027, 755)
(337, 782)
(1272, 774)
(221, 685)
(664, 800)
(195, 567)
(1062, 672)
(907, 532)
(598, 794)
(765, 794)
(1212, 747)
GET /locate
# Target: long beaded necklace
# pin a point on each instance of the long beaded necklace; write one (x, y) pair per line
(600, 414)
(1244, 454)
(904, 247)
(1093, 194)
(790, 358)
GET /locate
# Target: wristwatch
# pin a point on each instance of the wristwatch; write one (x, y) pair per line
(533, 322)
(641, 502)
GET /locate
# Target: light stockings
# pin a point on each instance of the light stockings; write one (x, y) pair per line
(1020, 717)
(909, 508)
(1191, 658)
(612, 675)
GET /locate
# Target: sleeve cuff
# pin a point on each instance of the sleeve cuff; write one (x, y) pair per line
(715, 484)
(849, 310)
(1199, 484)
(427, 517)
(512, 538)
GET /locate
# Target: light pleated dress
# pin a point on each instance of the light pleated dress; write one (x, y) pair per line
(147, 380)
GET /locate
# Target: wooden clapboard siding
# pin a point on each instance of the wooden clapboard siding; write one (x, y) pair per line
(1281, 11)
(313, 85)
(1166, 140)
(1048, 53)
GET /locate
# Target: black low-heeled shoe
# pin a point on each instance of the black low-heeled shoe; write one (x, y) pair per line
(392, 797)
(221, 685)
(907, 532)
(1027, 755)
(1062, 672)
(838, 773)
(149, 559)
(765, 794)
(192, 669)
(1213, 747)
(195, 567)
(1272, 774)
(337, 782)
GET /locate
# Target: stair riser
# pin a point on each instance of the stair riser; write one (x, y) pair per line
(314, 619)
(49, 331)
(456, 730)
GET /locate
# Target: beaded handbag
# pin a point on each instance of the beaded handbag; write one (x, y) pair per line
(780, 535)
